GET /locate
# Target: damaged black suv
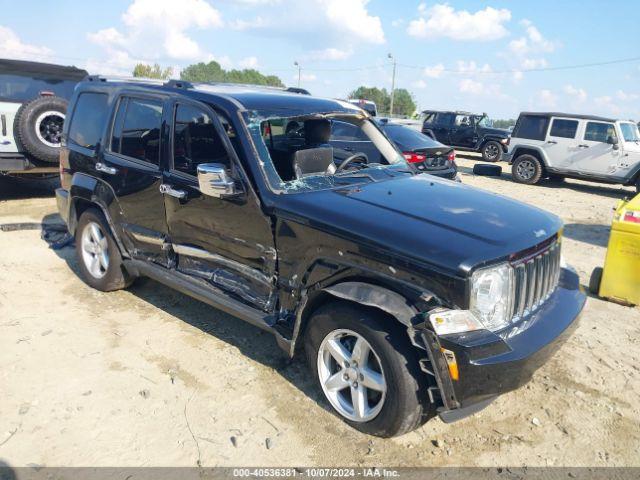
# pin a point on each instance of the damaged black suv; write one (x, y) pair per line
(410, 296)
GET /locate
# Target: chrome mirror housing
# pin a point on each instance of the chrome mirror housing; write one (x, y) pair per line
(214, 181)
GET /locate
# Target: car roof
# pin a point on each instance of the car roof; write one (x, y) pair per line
(569, 115)
(455, 112)
(249, 97)
(58, 71)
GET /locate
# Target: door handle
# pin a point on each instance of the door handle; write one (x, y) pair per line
(583, 146)
(553, 142)
(169, 190)
(101, 167)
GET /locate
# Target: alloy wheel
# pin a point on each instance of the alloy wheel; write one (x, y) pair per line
(491, 151)
(49, 128)
(351, 375)
(95, 250)
(526, 169)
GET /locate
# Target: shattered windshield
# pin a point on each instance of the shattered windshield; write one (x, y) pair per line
(318, 151)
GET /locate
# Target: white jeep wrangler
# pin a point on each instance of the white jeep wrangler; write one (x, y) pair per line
(558, 145)
(33, 105)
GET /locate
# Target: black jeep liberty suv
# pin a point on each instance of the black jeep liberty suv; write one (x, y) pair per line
(410, 296)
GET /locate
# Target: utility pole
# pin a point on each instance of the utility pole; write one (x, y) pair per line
(393, 84)
(299, 71)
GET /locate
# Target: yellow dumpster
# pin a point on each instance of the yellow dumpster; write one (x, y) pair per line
(620, 279)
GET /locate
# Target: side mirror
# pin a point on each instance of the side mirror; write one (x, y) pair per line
(611, 140)
(214, 181)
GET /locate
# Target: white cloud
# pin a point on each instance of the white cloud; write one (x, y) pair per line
(398, 22)
(317, 22)
(352, 17)
(443, 21)
(547, 99)
(419, 84)
(12, 47)
(528, 49)
(474, 87)
(580, 94)
(627, 97)
(472, 67)
(150, 23)
(434, 71)
(329, 54)
(249, 62)
(305, 77)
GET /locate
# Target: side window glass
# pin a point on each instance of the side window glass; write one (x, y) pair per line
(563, 128)
(196, 141)
(136, 131)
(345, 132)
(88, 119)
(599, 132)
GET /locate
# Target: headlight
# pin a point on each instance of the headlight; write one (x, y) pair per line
(492, 296)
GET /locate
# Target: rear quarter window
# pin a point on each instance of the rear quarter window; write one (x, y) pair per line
(563, 128)
(532, 127)
(88, 120)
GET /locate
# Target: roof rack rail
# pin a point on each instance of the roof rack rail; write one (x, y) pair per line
(115, 78)
(178, 83)
(299, 90)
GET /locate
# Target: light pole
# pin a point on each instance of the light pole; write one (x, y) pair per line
(299, 70)
(393, 84)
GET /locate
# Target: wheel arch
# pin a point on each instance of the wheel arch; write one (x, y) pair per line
(89, 192)
(530, 150)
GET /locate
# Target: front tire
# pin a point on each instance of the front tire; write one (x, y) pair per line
(367, 369)
(527, 169)
(492, 151)
(98, 254)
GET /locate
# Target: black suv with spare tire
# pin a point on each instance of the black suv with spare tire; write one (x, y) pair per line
(33, 105)
(410, 295)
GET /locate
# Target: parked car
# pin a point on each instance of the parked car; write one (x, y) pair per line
(411, 296)
(33, 105)
(558, 145)
(367, 105)
(424, 153)
(466, 131)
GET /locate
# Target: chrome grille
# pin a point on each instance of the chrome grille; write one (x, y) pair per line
(536, 277)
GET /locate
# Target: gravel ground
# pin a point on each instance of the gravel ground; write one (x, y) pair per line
(149, 376)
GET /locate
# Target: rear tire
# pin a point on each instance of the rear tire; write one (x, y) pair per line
(527, 169)
(492, 151)
(98, 254)
(595, 281)
(38, 127)
(404, 406)
(487, 169)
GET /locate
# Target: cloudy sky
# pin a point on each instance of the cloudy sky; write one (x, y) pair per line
(499, 57)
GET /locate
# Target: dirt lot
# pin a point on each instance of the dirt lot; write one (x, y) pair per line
(151, 377)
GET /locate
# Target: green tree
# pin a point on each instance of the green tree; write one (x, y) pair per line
(379, 96)
(504, 123)
(213, 72)
(152, 71)
(403, 102)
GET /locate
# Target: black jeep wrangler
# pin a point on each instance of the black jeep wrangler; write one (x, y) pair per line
(410, 296)
(467, 131)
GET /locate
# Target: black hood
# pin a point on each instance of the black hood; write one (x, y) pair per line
(443, 223)
(499, 132)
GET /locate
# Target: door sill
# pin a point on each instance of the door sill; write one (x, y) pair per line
(196, 289)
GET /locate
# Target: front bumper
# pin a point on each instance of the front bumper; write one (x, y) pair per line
(490, 364)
